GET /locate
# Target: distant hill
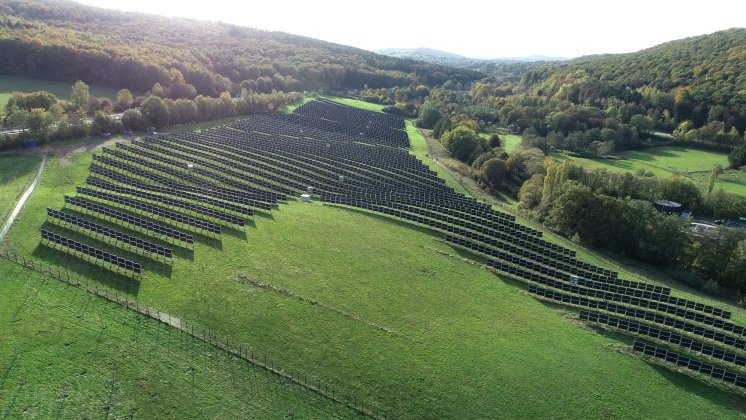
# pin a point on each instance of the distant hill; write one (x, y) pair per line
(66, 41)
(508, 66)
(701, 79)
(443, 57)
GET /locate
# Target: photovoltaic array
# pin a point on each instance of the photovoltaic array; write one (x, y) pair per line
(163, 191)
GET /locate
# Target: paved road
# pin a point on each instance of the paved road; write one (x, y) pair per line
(22, 201)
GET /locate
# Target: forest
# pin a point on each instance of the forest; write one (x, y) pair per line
(66, 41)
(693, 88)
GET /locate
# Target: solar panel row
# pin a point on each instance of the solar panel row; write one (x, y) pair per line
(99, 255)
(110, 233)
(664, 335)
(708, 369)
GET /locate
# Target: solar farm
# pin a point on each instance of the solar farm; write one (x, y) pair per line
(160, 202)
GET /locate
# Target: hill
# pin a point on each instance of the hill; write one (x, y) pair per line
(422, 52)
(506, 66)
(65, 41)
(358, 288)
(701, 79)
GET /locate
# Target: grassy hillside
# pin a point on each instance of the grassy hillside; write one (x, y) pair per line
(67, 354)
(61, 90)
(387, 313)
(15, 176)
(665, 161)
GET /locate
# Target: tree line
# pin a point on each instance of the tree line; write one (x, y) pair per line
(604, 210)
(42, 116)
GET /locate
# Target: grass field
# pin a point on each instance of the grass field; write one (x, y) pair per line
(67, 354)
(356, 103)
(665, 161)
(61, 90)
(404, 328)
(16, 174)
(510, 141)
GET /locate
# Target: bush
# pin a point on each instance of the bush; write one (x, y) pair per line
(737, 157)
(429, 115)
(461, 142)
(493, 172)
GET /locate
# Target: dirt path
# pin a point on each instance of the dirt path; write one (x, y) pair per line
(22, 201)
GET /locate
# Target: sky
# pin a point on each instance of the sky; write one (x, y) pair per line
(478, 29)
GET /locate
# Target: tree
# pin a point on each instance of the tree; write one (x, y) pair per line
(264, 84)
(18, 118)
(182, 90)
(737, 157)
(182, 111)
(155, 112)
(461, 142)
(40, 122)
(494, 140)
(132, 120)
(429, 115)
(29, 101)
(102, 123)
(642, 123)
(530, 192)
(716, 170)
(80, 96)
(226, 105)
(158, 91)
(493, 172)
(124, 100)
(442, 126)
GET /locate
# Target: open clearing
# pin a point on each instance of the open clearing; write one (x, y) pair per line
(666, 161)
(61, 90)
(382, 310)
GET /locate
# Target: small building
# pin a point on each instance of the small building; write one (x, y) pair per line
(30, 144)
(305, 198)
(668, 207)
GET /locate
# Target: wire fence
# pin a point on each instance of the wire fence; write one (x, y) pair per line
(245, 353)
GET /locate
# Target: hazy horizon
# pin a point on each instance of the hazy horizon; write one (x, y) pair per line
(567, 29)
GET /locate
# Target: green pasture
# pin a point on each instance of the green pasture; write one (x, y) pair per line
(67, 354)
(386, 314)
(61, 90)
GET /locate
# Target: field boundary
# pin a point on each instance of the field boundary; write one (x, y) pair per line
(199, 333)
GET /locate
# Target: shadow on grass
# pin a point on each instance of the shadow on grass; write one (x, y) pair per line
(692, 385)
(148, 236)
(147, 262)
(471, 255)
(207, 240)
(389, 219)
(236, 233)
(82, 270)
(263, 215)
(18, 166)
